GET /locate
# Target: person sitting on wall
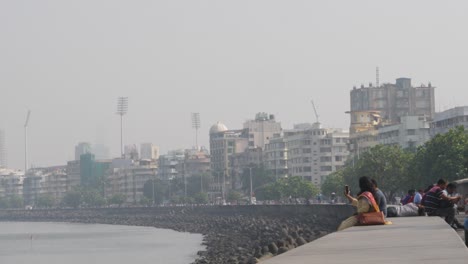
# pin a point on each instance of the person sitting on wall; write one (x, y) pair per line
(380, 198)
(433, 204)
(365, 202)
(409, 209)
(409, 197)
(451, 191)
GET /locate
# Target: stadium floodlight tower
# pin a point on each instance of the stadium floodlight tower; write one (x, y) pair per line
(26, 142)
(196, 125)
(122, 107)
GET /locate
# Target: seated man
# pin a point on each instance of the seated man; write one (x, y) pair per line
(409, 197)
(451, 191)
(433, 205)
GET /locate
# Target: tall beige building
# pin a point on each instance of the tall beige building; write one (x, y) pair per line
(263, 128)
(223, 144)
(315, 152)
(385, 105)
(392, 101)
(276, 157)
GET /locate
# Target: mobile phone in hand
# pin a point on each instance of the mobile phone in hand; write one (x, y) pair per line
(346, 188)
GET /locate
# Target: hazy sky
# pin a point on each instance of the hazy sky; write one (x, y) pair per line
(68, 61)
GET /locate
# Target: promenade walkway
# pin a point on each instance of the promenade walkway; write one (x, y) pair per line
(409, 240)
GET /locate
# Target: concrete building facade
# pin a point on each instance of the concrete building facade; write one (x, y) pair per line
(276, 157)
(448, 119)
(149, 151)
(128, 177)
(411, 132)
(260, 130)
(11, 182)
(315, 152)
(223, 144)
(81, 149)
(393, 101)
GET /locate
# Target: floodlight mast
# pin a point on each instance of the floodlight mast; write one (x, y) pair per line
(26, 142)
(122, 108)
(196, 126)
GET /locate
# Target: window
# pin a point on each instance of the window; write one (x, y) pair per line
(322, 150)
(338, 158)
(325, 168)
(307, 169)
(411, 132)
(306, 150)
(325, 159)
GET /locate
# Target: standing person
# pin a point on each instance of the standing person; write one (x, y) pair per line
(432, 202)
(364, 202)
(380, 198)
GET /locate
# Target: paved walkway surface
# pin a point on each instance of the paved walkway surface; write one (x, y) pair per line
(409, 240)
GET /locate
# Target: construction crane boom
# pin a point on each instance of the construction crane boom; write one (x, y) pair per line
(315, 111)
(27, 118)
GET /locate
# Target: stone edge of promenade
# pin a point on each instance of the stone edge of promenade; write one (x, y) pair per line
(407, 240)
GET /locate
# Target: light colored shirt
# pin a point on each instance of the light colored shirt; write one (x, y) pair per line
(417, 198)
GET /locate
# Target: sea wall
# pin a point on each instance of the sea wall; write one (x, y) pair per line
(232, 234)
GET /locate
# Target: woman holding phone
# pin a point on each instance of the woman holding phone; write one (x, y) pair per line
(365, 202)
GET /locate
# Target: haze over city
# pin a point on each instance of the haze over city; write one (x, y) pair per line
(69, 61)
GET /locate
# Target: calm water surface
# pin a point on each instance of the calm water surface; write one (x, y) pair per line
(59, 243)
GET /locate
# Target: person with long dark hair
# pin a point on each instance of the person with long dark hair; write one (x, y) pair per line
(365, 202)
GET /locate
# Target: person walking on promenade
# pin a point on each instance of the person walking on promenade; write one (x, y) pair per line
(433, 204)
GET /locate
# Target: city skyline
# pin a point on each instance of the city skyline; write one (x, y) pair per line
(68, 65)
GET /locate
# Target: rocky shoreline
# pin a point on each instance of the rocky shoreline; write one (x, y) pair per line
(232, 234)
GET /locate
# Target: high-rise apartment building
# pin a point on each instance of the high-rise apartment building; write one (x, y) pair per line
(315, 152)
(149, 151)
(82, 148)
(392, 101)
(263, 128)
(276, 157)
(373, 108)
(223, 144)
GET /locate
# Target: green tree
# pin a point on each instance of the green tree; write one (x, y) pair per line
(388, 165)
(72, 198)
(145, 201)
(444, 156)
(334, 182)
(118, 199)
(260, 177)
(15, 201)
(234, 196)
(4, 203)
(45, 201)
(296, 187)
(201, 198)
(198, 183)
(268, 192)
(93, 198)
(158, 188)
